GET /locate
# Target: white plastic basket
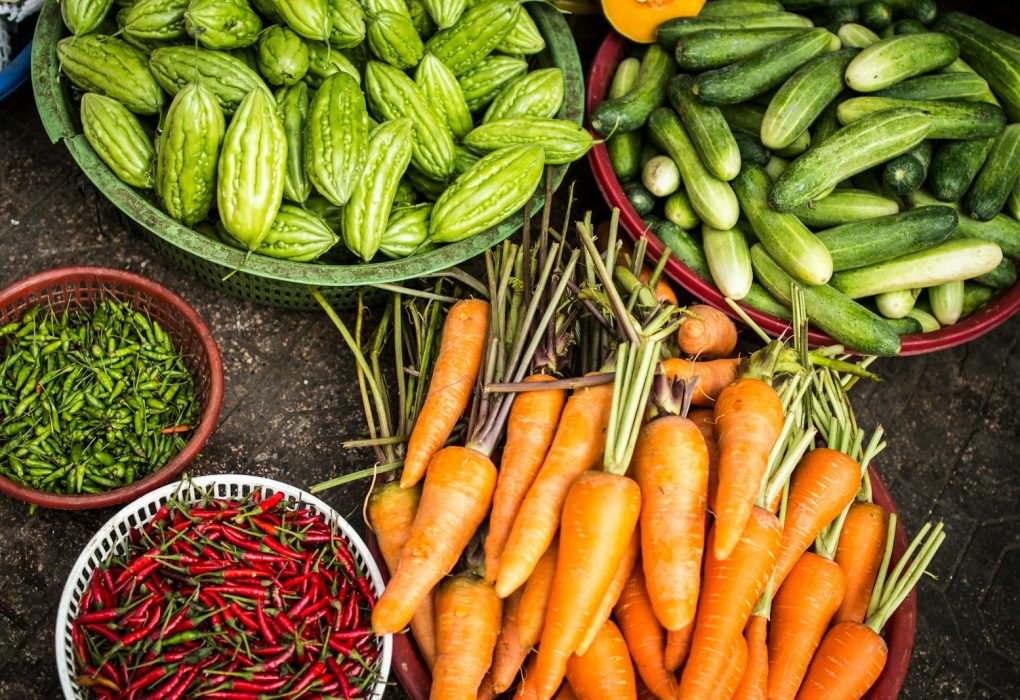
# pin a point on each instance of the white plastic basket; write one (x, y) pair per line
(113, 535)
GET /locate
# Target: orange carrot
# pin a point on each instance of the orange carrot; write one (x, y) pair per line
(754, 684)
(605, 609)
(670, 464)
(859, 554)
(748, 421)
(599, 516)
(678, 646)
(454, 501)
(643, 692)
(606, 670)
(645, 637)
(729, 592)
(707, 333)
(736, 666)
(453, 378)
(801, 612)
(713, 376)
(529, 432)
(391, 512)
(527, 689)
(704, 418)
(486, 691)
(823, 484)
(565, 693)
(468, 613)
(577, 447)
(848, 662)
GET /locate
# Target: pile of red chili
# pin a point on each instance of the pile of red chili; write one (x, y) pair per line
(230, 600)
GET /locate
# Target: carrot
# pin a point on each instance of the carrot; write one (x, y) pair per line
(848, 662)
(486, 691)
(713, 376)
(527, 689)
(605, 609)
(468, 613)
(748, 421)
(454, 501)
(523, 617)
(704, 418)
(453, 378)
(663, 292)
(729, 592)
(577, 447)
(565, 693)
(707, 333)
(605, 670)
(755, 681)
(529, 432)
(670, 464)
(599, 516)
(391, 512)
(859, 554)
(643, 692)
(801, 612)
(645, 637)
(823, 484)
(678, 646)
(736, 666)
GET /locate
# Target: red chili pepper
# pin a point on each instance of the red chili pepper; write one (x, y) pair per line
(260, 617)
(238, 539)
(231, 695)
(338, 646)
(259, 686)
(269, 503)
(311, 676)
(104, 615)
(103, 631)
(138, 564)
(266, 527)
(366, 591)
(133, 637)
(277, 547)
(276, 661)
(247, 620)
(239, 590)
(353, 634)
(285, 623)
(149, 677)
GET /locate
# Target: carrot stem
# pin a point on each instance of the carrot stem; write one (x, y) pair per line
(748, 320)
(355, 476)
(571, 383)
(894, 590)
(635, 371)
(616, 304)
(412, 292)
(374, 442)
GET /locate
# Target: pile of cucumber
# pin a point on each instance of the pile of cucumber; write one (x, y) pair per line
(867, 152)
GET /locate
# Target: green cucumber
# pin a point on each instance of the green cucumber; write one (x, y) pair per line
(975, 296)
(856, 36)
(845, 206)
(639, 198)
(904, 326)
(949, 120)
(1002, 277)
(867, 142)
(739, 8)
(751, 150)
(1008, 41)
(956, 259)
(803, 97)
(631, 111)
(686, 250)
(763, 71)
(923, 11)
(762, 299)
(709, 132)
(624, 150)
(908, 26)
(876, 15)
(836, 14)
(787, 240)
(928, 323)
(885, 238)
(906, 173)
(955, 165)
(747, 119)
(997, 177)
(896, 304)
(1002, 230)
(712, 198)
(947, 302)
(715, 48)
(827, 123)
(891, 61)
(967, 87)
(670, 31)
(729, 260)
(660, 176)
(678, 209)
(1013, 203)
(842, 318)
(776, 167)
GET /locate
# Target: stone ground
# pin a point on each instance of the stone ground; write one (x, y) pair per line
(952, 419)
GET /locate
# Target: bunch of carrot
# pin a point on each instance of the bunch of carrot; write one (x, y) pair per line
(672, 521)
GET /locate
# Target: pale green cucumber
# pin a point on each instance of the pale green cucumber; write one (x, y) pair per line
(896, 304)
(858, 36)
(845, 206)
(897, 58)
(1003, 230)
(715, 48)
(678, 209)
(975, 296)
(929, 324)
(660, 176)
(963, 86)
(947, 302)
(729, 260)
(948, 120)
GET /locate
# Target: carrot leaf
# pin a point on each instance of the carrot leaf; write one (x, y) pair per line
(635, 369)
(893, 588)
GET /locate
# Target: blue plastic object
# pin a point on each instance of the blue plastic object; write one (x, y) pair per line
(16, 72)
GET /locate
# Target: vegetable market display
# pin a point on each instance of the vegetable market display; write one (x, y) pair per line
(285, 127)
(866, 153)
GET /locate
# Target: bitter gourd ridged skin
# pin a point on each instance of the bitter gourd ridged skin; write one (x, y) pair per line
(309, 18)
(156, 20)
(562, 140)
(347, 23)
(537, 94)
(406, 231)
(189, 147)
(222, 24)
(440, 89)
(495, 187)
(394, 40)
(119, 139)
(292, 102)
(524, 38)
(283, 57)
(297, 235)
(479, 32)
(392, 95)
(324, 62)
(445, 13)
(84, 16)
(336, 138)
(228, 77)
(483, 82)
(252, 169)
(363, 220)
(108, 66)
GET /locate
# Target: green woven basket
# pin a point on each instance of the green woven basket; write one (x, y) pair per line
(267, 280)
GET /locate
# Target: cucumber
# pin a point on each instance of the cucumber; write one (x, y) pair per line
(949, 120)
(686, 250)
(845, 206)
(747, 119)
(630, 112)
(1002, 230)
(803, 97)
(739, 8)
(991, 33)
(975, 296)
(776, 167)
(1013, 203)
(670, 31)
(968, 87)
(928, 322)
(904, 326)
(854, 35)
(997, 177)
(836, 15)
(1002, 277)
(891, 61)
(678, 209)
(923, 11)
(906, 173)
(639, 198)
(624, 150)
(729, 260)
(867, 142)
(715, 48)
(761, 299)
(896, 304)
(954, 166)
(707, 128)
(751, 150)
(660, 176)
(759, 73)
(788, 241)
(956, 259)
(876, 15)
(827, 123)
(909, 26)
(947, 302)
(993, 61)
(712, 198)
(888, 237)
(842, 318)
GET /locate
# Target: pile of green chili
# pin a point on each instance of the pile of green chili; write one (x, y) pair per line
(90, 400)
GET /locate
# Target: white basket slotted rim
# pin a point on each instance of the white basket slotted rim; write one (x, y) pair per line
(113, 533)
